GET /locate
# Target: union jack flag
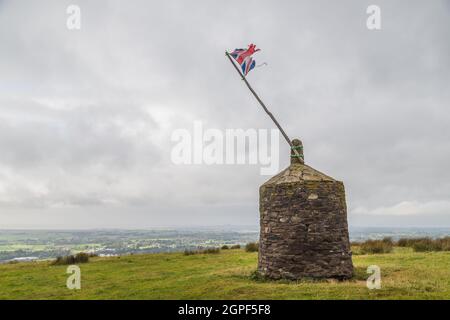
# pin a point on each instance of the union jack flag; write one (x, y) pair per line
(244, 58)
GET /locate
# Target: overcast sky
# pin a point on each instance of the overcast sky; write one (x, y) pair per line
(86, 116)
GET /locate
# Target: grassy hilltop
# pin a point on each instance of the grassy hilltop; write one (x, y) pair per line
(227, 275)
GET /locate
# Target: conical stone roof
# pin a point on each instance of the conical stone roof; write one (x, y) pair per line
(298, 172)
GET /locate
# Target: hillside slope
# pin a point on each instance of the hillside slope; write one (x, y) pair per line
(227, 275)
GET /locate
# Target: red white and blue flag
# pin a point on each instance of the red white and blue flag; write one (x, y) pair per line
(244, 58)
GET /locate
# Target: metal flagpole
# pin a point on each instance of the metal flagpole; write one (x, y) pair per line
(264, 106)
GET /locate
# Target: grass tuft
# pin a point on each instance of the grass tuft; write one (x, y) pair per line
(201, 251)
(425, 244)
(251, 247)
(376, 246)
(73, 259)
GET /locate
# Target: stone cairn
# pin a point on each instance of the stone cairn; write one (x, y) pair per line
(303, 219)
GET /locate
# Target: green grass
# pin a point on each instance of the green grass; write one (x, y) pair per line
(227, 275)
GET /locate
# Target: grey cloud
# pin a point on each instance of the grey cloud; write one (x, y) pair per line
(86, 116)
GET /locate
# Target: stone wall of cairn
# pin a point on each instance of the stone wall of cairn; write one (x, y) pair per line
(303, 220)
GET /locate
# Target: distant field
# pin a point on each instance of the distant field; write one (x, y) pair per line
(227, 275)
(46, 244)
